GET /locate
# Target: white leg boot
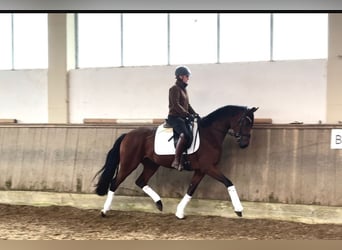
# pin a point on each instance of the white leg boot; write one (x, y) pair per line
(108, 203)
(235, 200)
(181, 206)
(155, 197)
(150, 192)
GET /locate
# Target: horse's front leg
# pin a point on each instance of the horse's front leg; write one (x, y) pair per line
(196, 179)
(218, 175)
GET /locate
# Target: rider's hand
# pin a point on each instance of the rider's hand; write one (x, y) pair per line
(190, 117)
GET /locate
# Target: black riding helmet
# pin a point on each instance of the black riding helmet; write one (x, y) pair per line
(182, 71)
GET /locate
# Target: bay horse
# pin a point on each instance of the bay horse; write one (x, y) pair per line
(137, 146)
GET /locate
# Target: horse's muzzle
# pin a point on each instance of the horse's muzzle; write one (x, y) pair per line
(243, 145)
(244, 141)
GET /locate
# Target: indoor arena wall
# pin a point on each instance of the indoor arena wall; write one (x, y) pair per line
(284, 163)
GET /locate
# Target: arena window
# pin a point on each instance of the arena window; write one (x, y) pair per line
(137, 39)
(24, 42)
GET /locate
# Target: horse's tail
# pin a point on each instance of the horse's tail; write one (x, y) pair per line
(110, 168)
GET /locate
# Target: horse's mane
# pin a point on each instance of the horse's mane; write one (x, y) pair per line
(229, 110)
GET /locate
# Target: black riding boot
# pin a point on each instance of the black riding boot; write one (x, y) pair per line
(180, 147)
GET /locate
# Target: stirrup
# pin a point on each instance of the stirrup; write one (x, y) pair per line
(186, 165)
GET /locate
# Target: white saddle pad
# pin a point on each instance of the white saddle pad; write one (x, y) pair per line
(164, 146)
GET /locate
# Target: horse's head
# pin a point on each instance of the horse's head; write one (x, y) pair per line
(241, 127)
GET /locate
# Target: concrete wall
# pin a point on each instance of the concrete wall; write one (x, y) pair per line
(285, 91)
(285, 164)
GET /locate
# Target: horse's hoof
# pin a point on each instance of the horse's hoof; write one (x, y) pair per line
(159, 205)
(180, 216)
(238, 213)
(103, 214)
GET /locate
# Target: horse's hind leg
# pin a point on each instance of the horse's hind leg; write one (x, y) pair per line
(149, 169)
(196, 179)
(108, 203)
(125, 169)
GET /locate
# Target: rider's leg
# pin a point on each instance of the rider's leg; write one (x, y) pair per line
(180, 127)
(180, 147)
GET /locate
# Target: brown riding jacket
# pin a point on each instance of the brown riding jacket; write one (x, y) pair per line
(179, 100)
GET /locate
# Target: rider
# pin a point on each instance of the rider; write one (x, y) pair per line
(180, 111)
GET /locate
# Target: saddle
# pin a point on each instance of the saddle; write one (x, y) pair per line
(165, 140)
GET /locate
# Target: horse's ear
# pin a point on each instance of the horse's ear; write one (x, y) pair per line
(254, 109)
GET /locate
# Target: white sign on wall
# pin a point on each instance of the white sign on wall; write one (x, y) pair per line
(336, 139)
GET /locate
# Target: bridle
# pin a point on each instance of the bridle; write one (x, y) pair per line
(238, 135)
